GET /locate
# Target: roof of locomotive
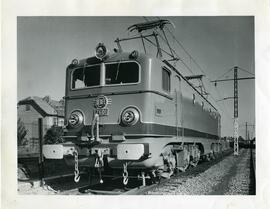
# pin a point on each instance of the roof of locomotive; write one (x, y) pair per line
(124, 56)
(114, 57)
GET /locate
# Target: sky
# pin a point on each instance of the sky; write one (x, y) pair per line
(46, 45)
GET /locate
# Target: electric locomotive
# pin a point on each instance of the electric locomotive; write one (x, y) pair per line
(132, 111)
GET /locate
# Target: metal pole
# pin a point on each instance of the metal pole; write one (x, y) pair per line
(41, 159)
(118, 45)
(159, 53)
(143, 43)
(236, 148)
(246, 131)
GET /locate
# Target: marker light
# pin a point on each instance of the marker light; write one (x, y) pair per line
(75, 119)
(75, 62)
(134, 54)
(101, 51)
(130, 116)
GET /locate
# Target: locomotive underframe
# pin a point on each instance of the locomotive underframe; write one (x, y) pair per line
(140, 154)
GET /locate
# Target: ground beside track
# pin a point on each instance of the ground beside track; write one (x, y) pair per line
(52, 186)
(231, 176)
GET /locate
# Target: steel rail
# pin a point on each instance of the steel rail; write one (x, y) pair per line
(141, 190)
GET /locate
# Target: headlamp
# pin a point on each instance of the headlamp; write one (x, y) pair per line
(130, 116)
(101, 51)
(75, 119)
(75, 62)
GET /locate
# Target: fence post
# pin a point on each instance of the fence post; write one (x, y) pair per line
(40, 159)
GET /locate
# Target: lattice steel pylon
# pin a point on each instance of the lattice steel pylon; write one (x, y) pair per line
(235, 98)
(235, 145)
(235, 122)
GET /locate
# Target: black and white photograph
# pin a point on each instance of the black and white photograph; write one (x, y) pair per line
(136, 105)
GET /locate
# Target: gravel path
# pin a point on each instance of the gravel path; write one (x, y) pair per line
(230, 176)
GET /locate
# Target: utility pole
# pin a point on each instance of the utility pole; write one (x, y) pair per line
(41, 159)
(235, 104)
(247, 131)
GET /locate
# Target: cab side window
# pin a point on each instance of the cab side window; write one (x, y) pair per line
(166, 79)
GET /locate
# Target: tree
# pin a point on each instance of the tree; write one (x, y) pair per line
(21, 132)
(54, 135)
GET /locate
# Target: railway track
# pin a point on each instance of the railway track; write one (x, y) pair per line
(115, 186)
(226, 174)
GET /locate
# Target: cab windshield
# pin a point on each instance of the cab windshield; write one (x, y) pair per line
(114, 74)
(121, 73)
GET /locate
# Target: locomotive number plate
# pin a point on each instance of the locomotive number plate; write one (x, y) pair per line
(102, 112)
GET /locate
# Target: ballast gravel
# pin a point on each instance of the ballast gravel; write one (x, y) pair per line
(239, 183)
(229, 177)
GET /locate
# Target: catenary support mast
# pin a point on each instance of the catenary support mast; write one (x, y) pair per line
(235, 99)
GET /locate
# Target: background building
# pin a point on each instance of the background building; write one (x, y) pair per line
(29, 110)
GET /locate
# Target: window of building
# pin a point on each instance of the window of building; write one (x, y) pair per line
(121, 73)
(27, 107)
(166, 82)
(55, 121)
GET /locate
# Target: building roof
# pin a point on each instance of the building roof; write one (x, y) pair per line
(45, 106)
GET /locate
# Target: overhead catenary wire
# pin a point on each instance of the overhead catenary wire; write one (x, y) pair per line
(231, 70)
(224, 106)
(177, 56)
(181, 45)
(224, 73)
(190, 56)
(246, 71)
(165, 40)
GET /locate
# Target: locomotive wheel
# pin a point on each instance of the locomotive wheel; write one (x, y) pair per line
(183, 159)
(185, 166)
(194, 162)
(208, 158)
(155, 176)
(212, 155)
(195, 156)
(169, 164)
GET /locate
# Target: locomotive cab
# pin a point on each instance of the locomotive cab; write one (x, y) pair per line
(110, 109)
